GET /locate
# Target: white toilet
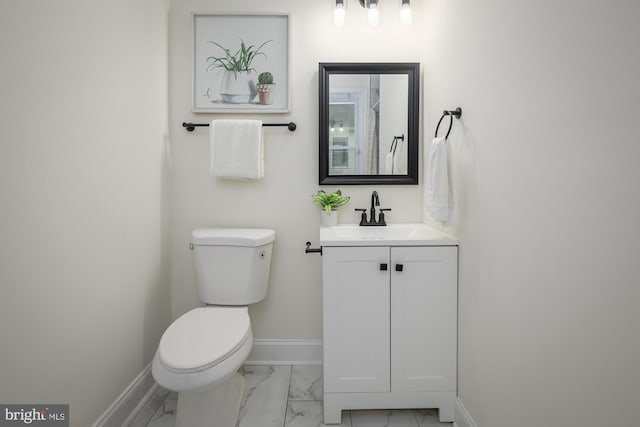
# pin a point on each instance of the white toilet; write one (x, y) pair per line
(200, 353)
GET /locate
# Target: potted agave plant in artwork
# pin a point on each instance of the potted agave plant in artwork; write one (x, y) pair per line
(265, 88)
(239, 77)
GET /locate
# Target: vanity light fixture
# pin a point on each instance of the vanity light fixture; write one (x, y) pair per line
(373, 13)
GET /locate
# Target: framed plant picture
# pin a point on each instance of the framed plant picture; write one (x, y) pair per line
(241, 64)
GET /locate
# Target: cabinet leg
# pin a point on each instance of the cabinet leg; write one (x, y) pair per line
(446, 413)
(332, 415)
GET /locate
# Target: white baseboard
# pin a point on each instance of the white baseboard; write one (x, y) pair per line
(129, 402)
(462, 416)
(285, 352)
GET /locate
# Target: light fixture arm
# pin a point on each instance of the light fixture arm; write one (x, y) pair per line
(366, 3)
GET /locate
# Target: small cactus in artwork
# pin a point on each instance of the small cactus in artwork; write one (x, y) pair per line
(265, 78)
(265, 88)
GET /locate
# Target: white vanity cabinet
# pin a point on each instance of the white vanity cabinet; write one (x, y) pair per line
(389, 328)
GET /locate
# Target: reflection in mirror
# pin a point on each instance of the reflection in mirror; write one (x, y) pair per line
(368, 123)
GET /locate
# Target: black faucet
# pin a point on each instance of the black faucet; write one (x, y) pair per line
(375, 201)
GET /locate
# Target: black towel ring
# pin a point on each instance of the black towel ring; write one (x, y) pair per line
(457, 113)
(394, 143)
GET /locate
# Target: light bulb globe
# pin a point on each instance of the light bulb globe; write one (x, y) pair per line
(373, 15)
(338, 15)
(405, 15)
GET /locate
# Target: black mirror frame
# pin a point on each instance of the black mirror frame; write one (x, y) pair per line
(412, 69)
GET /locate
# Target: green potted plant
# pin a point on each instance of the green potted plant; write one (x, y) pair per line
(238, 79)
(265, 88)
(329, 202)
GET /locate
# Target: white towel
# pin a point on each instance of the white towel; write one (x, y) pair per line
(236, 149)
(440, 192)
(388, 164)
(395, 162)
(400, 159)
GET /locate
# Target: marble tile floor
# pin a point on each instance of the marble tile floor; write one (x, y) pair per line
(286, 396)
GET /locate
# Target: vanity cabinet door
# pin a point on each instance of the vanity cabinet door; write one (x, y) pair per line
(356, 329)
(423, 318)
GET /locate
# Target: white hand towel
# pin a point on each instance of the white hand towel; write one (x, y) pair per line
(440, 193)
(388, 164)
(399, 159)
(236, 149)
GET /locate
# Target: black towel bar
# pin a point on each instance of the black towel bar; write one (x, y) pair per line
(192, 126)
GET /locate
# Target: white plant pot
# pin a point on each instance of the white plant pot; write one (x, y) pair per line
(328, 220)
(238, 88)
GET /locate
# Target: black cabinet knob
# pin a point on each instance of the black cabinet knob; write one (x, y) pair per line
(399, 267)
(383, 267)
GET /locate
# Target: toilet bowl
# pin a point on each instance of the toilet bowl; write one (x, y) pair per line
(203, 347)
(198, 356)
(201, 351)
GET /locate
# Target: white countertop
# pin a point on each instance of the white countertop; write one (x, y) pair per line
(390, 235)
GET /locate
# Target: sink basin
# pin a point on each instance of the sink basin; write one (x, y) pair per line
(396, 231)
(392, 234)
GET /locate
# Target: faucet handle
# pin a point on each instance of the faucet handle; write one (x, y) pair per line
(381, 220)
(363, 217)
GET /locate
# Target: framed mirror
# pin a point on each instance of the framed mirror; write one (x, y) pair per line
(369, 123)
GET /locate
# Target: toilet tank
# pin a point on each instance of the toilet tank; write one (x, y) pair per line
(232, 264)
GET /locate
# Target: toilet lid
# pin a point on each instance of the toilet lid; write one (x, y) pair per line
(204, 336)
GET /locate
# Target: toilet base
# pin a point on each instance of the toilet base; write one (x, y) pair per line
(218, 407)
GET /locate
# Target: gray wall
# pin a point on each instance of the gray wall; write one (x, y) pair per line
(83, 196)
(547, 150)
(282, 200)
